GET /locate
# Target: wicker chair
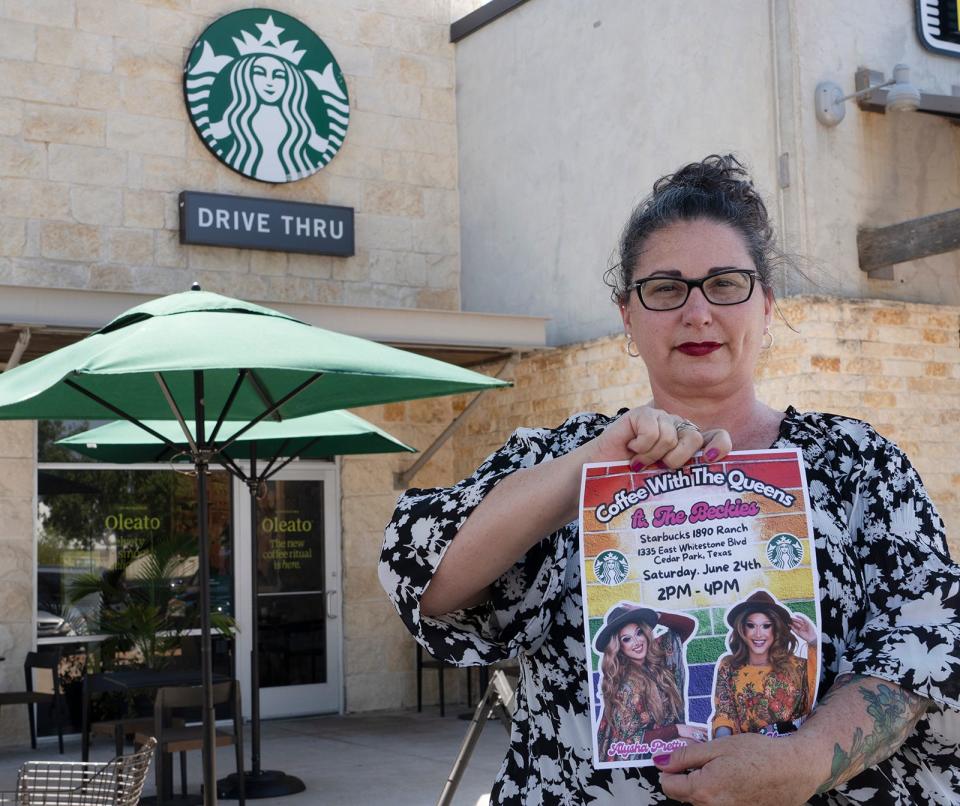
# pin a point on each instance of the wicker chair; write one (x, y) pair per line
(82, 783)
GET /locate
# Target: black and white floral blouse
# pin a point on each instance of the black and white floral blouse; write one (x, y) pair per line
(890, 603)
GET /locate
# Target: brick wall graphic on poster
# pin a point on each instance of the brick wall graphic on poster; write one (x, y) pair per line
(700, 591)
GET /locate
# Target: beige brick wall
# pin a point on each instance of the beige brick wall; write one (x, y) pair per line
(379, 653)
(16, 568)
(895, 365)
(95, 145)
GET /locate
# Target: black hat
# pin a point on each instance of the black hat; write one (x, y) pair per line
(758, 602)
(623, 614)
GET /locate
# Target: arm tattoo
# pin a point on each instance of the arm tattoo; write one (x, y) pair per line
(842, 681)
(894, 713)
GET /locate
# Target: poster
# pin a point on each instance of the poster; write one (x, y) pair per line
(700, 591)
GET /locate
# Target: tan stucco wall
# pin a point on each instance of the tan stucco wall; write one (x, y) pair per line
(597, 99)
(568, 111)
(872, 169)
(95, 145)
(17, 478)
(895, 365)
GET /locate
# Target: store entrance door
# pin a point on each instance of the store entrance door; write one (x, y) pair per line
(299, 596)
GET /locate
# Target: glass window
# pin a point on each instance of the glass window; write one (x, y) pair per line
(117, 556)
(291, 602)
(117, 572)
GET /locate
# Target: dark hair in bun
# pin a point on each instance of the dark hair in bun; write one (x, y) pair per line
(717, 188)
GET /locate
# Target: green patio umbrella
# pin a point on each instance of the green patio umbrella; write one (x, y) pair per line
(330, 433)
(254, 362)
(202, 355)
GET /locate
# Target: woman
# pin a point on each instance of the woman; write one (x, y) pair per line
(763, 686)
(489, 568)
(643, 678)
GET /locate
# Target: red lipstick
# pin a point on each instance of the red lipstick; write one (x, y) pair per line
(698, 347)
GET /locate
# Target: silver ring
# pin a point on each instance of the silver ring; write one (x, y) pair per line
(685, 425)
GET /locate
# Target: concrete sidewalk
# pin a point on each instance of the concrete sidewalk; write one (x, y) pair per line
(400, 758)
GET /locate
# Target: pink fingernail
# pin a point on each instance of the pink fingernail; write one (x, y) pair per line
(712, 454)
(661, 465)
(662, 760)
(636, 465)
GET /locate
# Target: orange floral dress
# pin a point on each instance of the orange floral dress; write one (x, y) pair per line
(751, 698)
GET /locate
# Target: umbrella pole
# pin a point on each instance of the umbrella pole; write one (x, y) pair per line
(258, 783)
(255, 612)
(206, 644)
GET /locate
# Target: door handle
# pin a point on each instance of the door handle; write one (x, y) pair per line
(331, 614)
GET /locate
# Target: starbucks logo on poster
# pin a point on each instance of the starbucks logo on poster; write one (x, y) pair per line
(611, 567)
(266, 95)
(784, 551)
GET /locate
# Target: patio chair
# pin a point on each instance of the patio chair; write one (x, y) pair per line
(119, 782)
(426, 661)
(36, 693)
(175, 737)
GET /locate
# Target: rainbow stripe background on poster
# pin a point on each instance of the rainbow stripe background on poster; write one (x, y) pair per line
(690, 546)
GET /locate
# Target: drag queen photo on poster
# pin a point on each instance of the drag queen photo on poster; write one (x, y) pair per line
(763, 685)
(643, 676)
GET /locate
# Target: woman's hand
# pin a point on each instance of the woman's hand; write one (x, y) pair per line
(538, 500)
(645, 435)
(860, 722)
(804, 628)
(746, 768)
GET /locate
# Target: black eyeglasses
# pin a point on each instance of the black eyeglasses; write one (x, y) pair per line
(728, 287)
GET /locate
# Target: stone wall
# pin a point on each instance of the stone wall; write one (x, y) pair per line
(17, 474)
(95, 145)
(379, 653)
(895, 365)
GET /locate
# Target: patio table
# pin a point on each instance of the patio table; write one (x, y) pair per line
(133, 680)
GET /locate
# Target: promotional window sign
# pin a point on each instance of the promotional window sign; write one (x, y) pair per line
(700, 590)
(266, 95)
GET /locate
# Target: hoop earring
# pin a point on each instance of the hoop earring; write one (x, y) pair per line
(630, 344)
(766, 345)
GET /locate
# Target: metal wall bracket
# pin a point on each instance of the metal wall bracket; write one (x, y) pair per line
(947, 106)
(23, 341)
(401, 480)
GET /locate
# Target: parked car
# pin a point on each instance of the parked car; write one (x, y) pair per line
(50, 625)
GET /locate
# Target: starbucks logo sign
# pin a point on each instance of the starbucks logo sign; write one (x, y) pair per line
(611, 567)
(266, 95)
(784, 551)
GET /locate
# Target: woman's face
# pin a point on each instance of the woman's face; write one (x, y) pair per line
(759, 634)
(633, 642)
(269, 79)
(699, 348)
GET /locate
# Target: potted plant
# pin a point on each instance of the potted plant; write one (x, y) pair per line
(145, 606)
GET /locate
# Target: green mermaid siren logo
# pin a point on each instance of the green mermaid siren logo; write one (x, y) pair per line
(611, 567)
(266, 95)
(785, 551)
